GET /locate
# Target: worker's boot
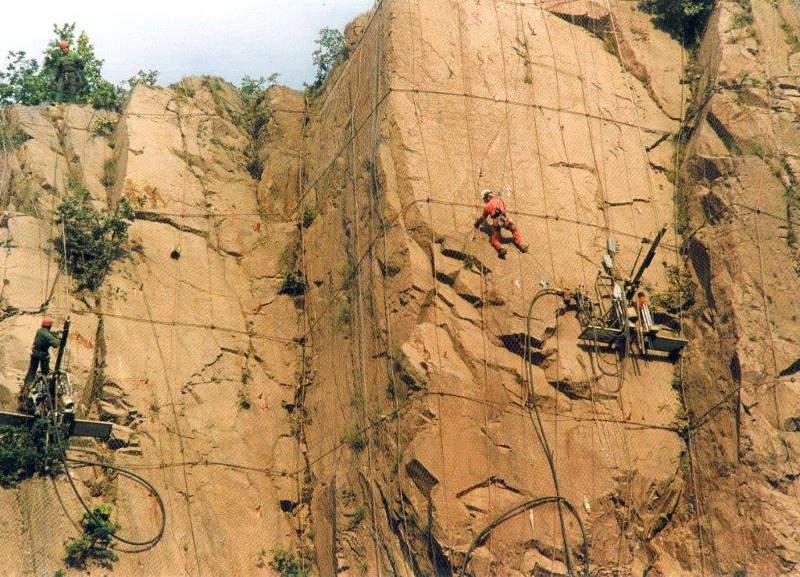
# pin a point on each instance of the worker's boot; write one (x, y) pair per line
(502, 253)
(523, 248)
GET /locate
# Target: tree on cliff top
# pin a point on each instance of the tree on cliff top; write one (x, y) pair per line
(331, 49)
(683, 19)
(29, 81)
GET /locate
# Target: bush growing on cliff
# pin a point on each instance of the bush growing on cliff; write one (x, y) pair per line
(95, 543)
(331, 49)
(681, 18)
(680, 293)
(11, 136)
(253, 120)
(287, 564)
(147, 77)
(23, 453)
(94, 238)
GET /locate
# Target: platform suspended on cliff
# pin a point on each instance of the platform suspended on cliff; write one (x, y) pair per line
(616, 317)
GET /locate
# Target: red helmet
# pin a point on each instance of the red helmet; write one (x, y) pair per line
(47, 322)
(63, 44)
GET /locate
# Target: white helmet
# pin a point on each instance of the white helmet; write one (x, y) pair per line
(486, 195)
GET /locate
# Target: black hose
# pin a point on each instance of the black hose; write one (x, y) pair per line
(521, 508)
(140, 545)
(539, 430)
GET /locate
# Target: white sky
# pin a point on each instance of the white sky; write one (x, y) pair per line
(228, 38)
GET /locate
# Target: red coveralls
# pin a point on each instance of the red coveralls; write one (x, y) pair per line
(496, 209)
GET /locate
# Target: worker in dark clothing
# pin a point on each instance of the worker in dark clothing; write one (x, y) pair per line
(70, 79)
(495, 208)
(44, 340)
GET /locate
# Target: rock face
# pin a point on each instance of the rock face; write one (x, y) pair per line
(377, 423)
(188, 347)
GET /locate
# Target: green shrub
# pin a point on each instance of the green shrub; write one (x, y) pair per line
(107, 96)
(255, 164)
(147, 77)
(343, 315)
(104, 127)
(23, 453)
(293, 285)
(357, 517)
(355, 439)
(255, 87)
(308, 217)
(331, 49)
(680, 294)
(109, 173)
(287, 564)
(11, 136)
(94, 238)
(254, 118)
(680, 18)
(95, 543)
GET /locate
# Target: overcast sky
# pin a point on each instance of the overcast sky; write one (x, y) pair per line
(228, 38)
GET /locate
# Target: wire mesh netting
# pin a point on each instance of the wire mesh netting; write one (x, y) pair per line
(410, 397)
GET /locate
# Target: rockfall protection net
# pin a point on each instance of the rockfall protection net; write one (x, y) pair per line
(431, 107)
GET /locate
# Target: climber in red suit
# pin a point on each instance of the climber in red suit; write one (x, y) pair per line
(495, 208)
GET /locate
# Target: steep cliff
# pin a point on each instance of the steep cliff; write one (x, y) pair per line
(310, 346)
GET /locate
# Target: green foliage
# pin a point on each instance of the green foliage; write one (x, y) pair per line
(104, 126)
(357, 517)
(681, 292)
(287, 564)
(308, 217)
(95, 543)
(28, 81)
(94, 238)
(109, 173)
(355, 439)
(23, 81)
(294, 284)
(147, 77)
(10, 134)
(253, 120)
(255, 87)
(680, 18)
(23, 453)
(183, 89)
(331, 49)
(343, 315)
(106, 96)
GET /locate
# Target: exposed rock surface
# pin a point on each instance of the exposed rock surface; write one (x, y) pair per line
(378, 423)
